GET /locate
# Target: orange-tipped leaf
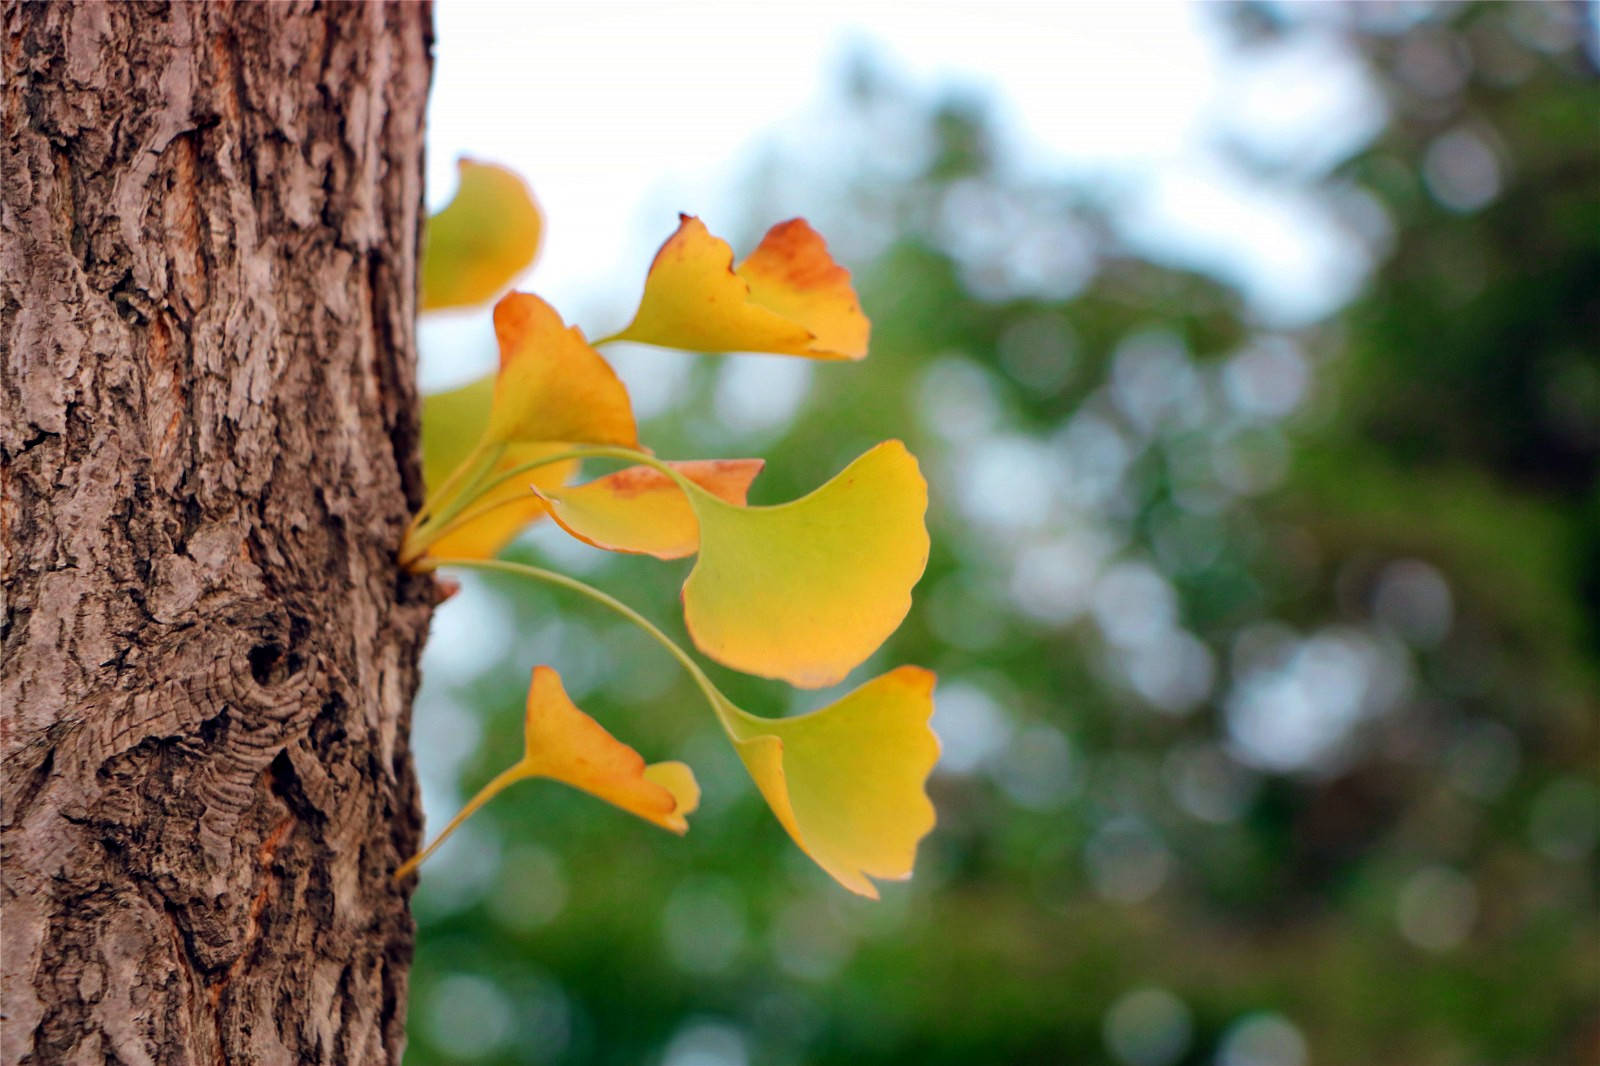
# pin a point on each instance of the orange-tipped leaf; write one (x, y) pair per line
(552, 386)
(788, 298)
(643, 511)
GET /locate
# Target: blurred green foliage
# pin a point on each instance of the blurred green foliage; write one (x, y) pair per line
(1269, 657)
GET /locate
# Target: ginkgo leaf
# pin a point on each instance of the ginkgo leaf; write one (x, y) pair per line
(678, 779)
(552, 390)
(452, 422)
(642, 510)
(848, 781)
(480, 242)
(791, 272)
(552, 386)
(806, 590)
(506, 510)
(562, 743)
(789, 297)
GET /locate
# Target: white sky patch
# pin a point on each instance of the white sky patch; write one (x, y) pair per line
(470, 632)
(970, 724)
(1289, 119)
(456, 347)
(656, 379)
(1282, 246)
(622, 113)
(761, 393)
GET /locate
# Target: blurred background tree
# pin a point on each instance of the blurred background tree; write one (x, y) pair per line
(1268, 654)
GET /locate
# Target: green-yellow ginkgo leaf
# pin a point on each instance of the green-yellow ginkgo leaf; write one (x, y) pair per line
(848, 781)
(789, 297)
(552, 390)
(451, 424)
(485, 237)
(562, 743)
(805, 591)
(502, 512)
(642, 510)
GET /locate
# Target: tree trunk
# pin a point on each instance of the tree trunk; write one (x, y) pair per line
(210, 224)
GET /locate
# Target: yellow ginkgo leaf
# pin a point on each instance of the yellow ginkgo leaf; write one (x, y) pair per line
(552, 386)
(642, 510)
(480, 242)
(848, 781)
(806, 590)
(562, 743)
(789, 297)
(678, 779)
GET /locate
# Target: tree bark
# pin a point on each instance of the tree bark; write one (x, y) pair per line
(210, 217)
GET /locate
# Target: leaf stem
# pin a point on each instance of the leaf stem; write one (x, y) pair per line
(498, 784)
(712, 694)
(610, 451)
(458, 496)
(423, 534)
(586, 451)
(471, 514)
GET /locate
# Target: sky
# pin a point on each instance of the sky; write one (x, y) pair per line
(620, 114)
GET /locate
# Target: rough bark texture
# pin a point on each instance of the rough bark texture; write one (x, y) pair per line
(210, 220)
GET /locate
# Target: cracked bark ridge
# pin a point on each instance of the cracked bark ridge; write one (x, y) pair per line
(210, 217)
